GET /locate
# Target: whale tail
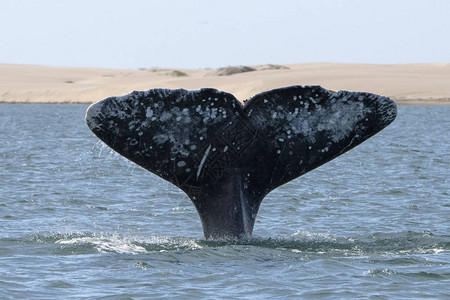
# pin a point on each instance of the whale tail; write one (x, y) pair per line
(227, 157)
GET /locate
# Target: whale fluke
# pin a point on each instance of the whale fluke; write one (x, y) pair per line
(227, 157)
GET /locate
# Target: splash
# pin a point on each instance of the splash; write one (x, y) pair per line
(300, 242)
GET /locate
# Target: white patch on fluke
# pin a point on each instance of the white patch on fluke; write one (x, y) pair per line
(149, 112)
(203, 160)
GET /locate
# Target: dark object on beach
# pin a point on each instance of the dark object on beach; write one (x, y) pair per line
(227, 71)
(272, 67)
(227, 157)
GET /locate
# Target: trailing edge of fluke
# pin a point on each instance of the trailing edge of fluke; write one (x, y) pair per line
(227, 157)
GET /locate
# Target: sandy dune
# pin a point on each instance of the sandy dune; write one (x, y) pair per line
(407, 84)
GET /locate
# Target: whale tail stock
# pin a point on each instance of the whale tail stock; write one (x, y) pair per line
(227, 157)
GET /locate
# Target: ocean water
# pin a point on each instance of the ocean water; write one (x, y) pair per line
(79, 221)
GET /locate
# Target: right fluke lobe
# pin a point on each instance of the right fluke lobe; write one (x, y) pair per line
(227, 157)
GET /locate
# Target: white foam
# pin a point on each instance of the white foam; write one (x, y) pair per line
(107, 244)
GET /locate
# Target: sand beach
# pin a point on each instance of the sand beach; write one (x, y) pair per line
(407, 84)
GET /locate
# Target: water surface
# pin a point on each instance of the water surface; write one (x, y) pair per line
(79, 221)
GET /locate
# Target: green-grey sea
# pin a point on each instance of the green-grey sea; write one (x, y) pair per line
(78, 221)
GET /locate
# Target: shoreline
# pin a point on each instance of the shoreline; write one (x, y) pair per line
(406, 84)
(409, 102)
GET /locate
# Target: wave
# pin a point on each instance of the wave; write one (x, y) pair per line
(401, 243)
